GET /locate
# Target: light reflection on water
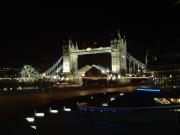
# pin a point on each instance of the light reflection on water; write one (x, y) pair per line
(88, 91)
(168, 100)
(39, 98)
(104, 107)
(18, 88)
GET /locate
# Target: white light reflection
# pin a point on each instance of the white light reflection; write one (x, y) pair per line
(121, 94)
(112, 98)
(39, 114)
(34, 127)
(104, 104)
(53, 111)
(67, 109)
(30, 119)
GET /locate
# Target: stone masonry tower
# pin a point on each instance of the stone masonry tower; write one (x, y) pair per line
(118, 55)
(70, 57)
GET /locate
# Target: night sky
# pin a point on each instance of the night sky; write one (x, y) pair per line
(36, 35)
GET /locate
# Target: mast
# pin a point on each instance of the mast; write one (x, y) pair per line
(146, 59)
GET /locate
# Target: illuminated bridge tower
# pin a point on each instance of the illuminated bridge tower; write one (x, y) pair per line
(118, 55)
(70, 57)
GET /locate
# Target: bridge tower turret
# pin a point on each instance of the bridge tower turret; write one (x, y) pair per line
(73, 55)
(66, 58)
(70, 57)
(118, 55)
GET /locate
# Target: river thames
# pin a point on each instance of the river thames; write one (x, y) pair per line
(14, 106)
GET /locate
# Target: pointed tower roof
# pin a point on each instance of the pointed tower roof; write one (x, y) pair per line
(119, 35)
(69, 41)
(76, 46)
(124, 39)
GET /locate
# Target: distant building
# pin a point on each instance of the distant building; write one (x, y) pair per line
(7, 72)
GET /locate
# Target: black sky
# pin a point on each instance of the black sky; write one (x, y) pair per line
(35, 35)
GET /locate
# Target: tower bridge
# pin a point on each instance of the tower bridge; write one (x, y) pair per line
(122, 63)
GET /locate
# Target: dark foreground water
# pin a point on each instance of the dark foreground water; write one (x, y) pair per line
(15, 108)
